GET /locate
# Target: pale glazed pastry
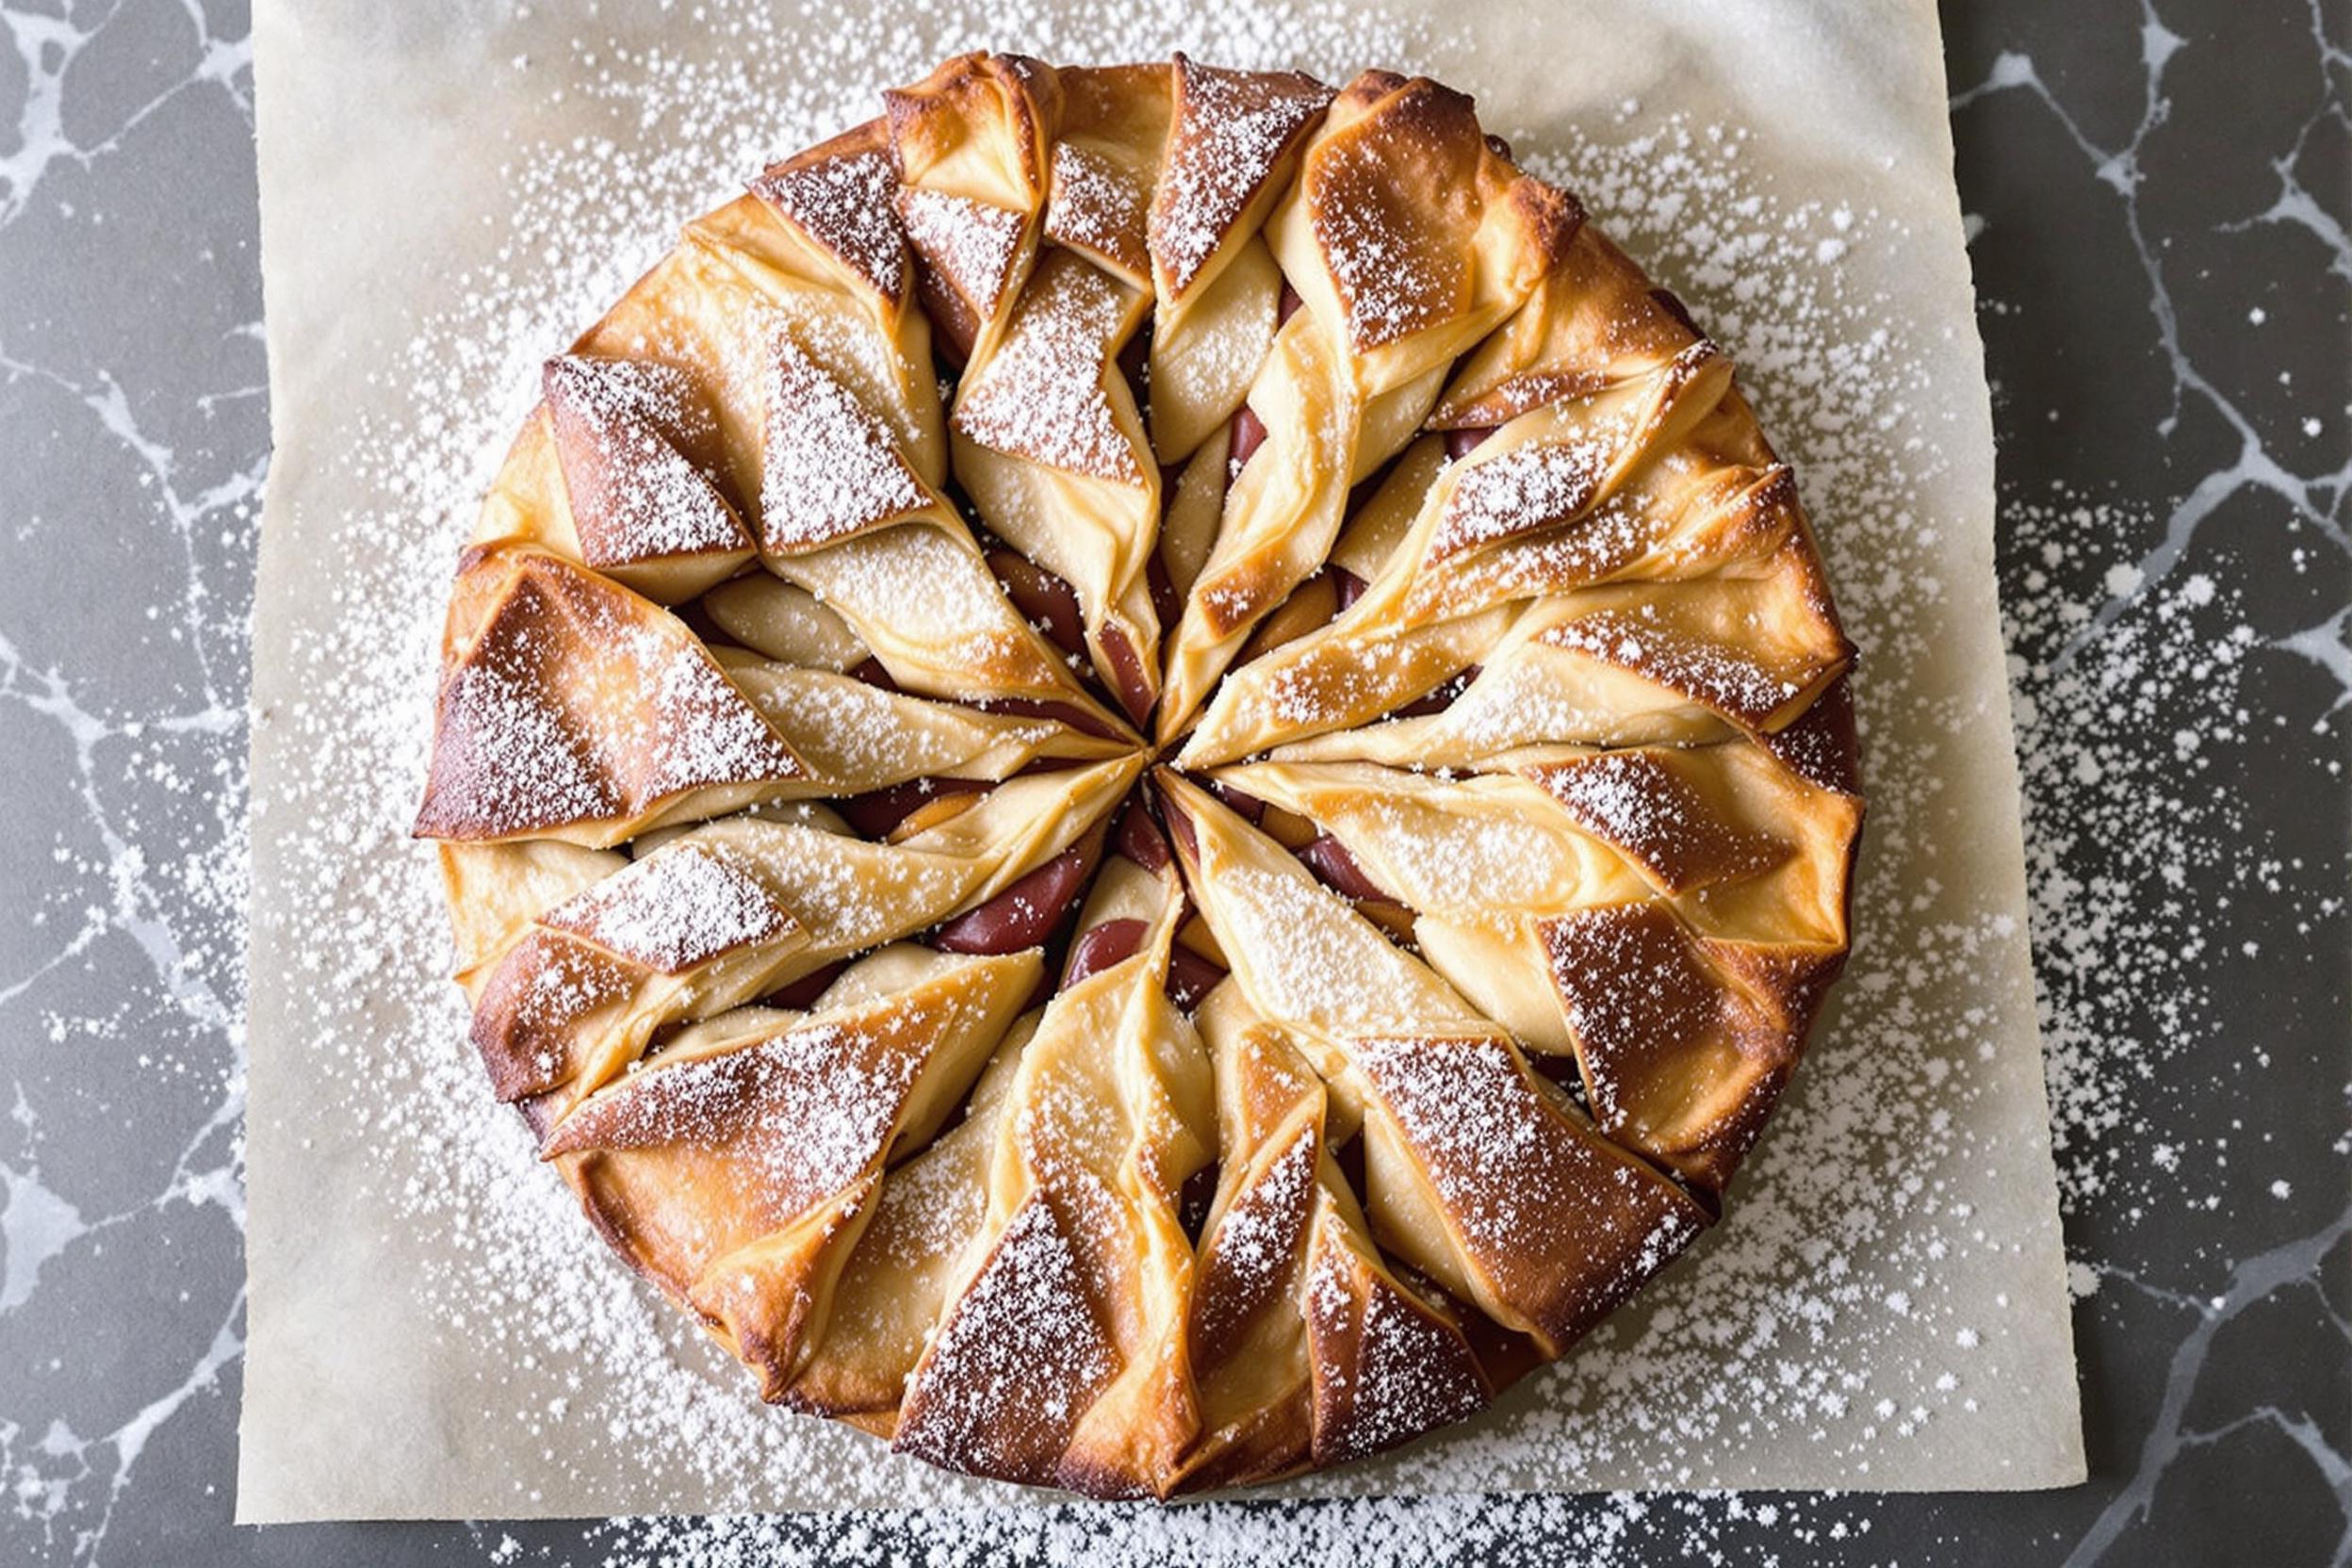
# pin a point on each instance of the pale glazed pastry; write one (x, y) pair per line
(1144, 774)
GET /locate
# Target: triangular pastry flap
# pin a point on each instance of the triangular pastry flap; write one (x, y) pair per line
(1457, 847)
(772, 1299)
(551, 1006)
(1231, 132)
(970, 251)
(1676, 662)
(800, 1114)
(755, 287)
(1751, 851)
(1686, 1064)
(1388, 1365)
(1308, 1348)
(1083, 551)
(1524, 694)
(1282, 513)
(674, 912)
(1553, 466)
(1822, 745)
(1404, 221)
(855, 738)
(740, 1176)
(1013, 1366)
(1304, 958)
(1026, 821)
(1251, 1256)
(1754, 649)
(583, 992)
(851, 895)
(688, 311)
(1681, 515)
(1050, 392)
(841, 195)
(1293, 485)
(1098, 208)
(1593, 320)
(1114, 125)
(571, 707)
(1105, 1119)
(922, 598)
(1482, 1177)
(1685, 817)
(974, 144)
(558, 1008)
(830, 469)
(1418, 625)
(894, 1284)
(638, 448)
(980, 126)
(1340, 677)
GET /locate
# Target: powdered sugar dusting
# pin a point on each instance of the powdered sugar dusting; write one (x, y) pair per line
(829, 467)
(803, 1115)
(847, 204)
(637, 496)
(1532, 488)
(1783, 1280)
(1257, 1241)
(1044, 395)
(1095, 205)
(1409, 1374)
(674, 912)
(1512, 1172)
(1019, 1359)
(1635, 801)
(1231, 129)
(1716, 674)
(970, 244)
(517, 751)
(1389, 286)
(579, 702)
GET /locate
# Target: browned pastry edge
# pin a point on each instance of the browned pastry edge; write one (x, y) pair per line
(992, 142)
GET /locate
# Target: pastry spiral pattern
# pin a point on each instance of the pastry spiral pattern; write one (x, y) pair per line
(1144, 773)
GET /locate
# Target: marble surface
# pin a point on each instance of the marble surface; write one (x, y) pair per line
(2160, 197)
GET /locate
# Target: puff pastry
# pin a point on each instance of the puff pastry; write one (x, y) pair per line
(1144, 774)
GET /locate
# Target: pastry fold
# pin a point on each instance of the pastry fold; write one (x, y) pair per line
(738, 1170)
(1144, 774)
(1479, 1171)
(1058, 1357)
(738, 908)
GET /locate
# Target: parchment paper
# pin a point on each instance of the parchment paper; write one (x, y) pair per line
(1927, 1350)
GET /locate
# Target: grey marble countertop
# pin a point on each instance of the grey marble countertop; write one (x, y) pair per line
(2159, 196)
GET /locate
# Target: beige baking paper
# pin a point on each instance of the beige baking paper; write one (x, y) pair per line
(389, 139)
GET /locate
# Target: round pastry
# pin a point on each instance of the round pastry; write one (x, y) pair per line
(1144, 773)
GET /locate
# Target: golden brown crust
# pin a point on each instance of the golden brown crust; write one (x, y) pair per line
(741, 1175)
(571, 707)
(1232, 136)
(973, 143)
(841, 196)
(1106, 166)
(1426, 1006)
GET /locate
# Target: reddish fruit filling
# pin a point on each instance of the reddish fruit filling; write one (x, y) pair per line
(1461, 443)
(1026, 913)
